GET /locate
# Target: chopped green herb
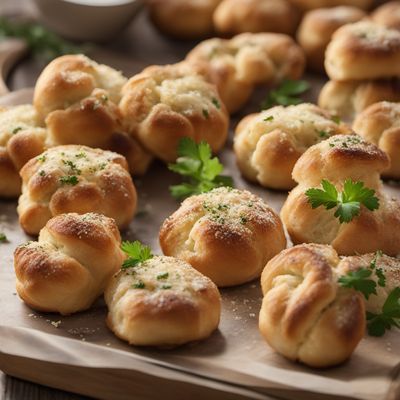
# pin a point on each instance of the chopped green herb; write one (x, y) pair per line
(82, 154)
(286, 94)
(323, 134)
(347, 203)
(104, 98)
(137, 253)
(206, 114)
(3, 238)
(166, 287)
(74, 169)
(16, 130)
(163, 276)
(139, 285)
(42, 173)
(202, 171)
(336, 119)
(42, 158)
(69, 180)
(269, 119)
(216, 103)
(243, 219)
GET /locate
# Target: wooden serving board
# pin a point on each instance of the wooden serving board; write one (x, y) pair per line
(78, 353)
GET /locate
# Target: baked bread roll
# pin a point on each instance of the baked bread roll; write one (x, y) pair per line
(363, 50)
(390, 267)
(337, 159)
(268, 144)
(21, 138)
(77, 98)
(305, 315)
(237, 16)
(78, 179)
(165, 103)
(347, 99)
(68, 268)
(226, 234)
(316, 30)
(313, 4)
(183, 19)
(388, 15)
(162, 302)
(236, 65)
(380, 124)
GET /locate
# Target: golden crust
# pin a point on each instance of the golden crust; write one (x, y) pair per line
(248, 59)
(163, 302)
(267, 145)
(337, 159)
(363, 50)
(189, 19)
(77, 98)
(21, 138)
(68, 268)
(232, 17)
(305, 315)
(313, 4)
(380, 124)
(390, 266)
(228, 235)
(388, 15)
(347, 99)
(78, 179)
(165, 103)
(316, 30)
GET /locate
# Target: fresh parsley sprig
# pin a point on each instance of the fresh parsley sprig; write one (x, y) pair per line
(40, 41)
(195, 163)
(348, 202)
(378, 324)
(361, 280)
(286, 94)
(137, 253)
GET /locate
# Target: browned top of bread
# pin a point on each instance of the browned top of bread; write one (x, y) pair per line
(388, 15)
(313, 4)
(70, 78)
(305, 315)
(67, 269)
(341, 157)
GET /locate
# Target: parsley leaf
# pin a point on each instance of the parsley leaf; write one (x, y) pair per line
(358, 280)
(137, 253)
(196, 163)
(286, 94)
(69, 180)
(40, 41)
(348, 202)
(377, 324)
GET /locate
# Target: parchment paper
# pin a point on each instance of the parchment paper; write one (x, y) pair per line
(78, 353)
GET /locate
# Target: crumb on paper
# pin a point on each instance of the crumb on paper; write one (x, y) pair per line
(252, 315)
(108, 344)
(56, 324)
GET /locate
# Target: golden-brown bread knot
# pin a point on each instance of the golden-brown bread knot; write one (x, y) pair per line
(380, 124)
(248, 59)
(21, 138)
(77, 98)
(317, 27)
(183, 19)
(268, 144)
(305, 315)
(226, 234)
(347, 99)
(78, 179)
(338, 159)
(363, 50)
(70, 265)
(162, 104)
(313, 4)
(162, 302)
(390, 267)
(232, 17)
(388, 15)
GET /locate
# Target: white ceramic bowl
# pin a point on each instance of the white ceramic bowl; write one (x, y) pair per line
(87, 20)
